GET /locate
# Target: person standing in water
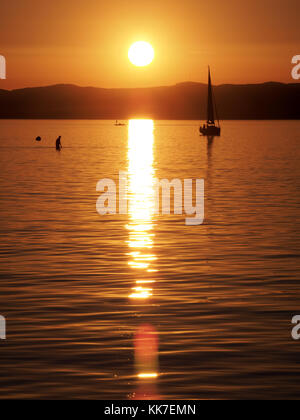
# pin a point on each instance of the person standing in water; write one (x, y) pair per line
(58, 143)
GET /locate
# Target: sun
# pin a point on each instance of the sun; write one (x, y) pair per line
(141, 54)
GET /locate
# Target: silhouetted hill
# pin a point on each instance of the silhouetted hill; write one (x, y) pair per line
(183, 101)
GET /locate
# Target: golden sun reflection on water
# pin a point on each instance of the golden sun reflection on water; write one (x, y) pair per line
(141, 203)
(146, 362)
(141, 206)
(147, 375)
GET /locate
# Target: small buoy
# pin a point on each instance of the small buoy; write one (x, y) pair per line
(38, 138)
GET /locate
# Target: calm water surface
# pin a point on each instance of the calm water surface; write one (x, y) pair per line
(140, 305)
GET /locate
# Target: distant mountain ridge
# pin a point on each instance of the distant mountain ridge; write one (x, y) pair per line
(270, 100)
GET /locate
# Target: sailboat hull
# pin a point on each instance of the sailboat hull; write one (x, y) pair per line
(210, 130)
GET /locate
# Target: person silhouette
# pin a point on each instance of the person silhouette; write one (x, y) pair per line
(58, 143)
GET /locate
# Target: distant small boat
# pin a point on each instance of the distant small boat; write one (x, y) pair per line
(210, 128)
(118, 124)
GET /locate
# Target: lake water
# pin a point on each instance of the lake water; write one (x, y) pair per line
(141, 305)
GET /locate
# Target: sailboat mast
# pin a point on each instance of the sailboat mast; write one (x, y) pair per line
(210, 106)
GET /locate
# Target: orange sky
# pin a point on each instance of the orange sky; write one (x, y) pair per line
(86, 42)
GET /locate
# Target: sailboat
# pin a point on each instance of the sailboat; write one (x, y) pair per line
(210, 128)
(118, 124)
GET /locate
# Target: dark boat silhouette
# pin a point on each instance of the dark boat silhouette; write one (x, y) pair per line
(210, 128)
(118, 124)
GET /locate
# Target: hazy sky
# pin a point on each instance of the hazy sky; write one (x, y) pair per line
(86, 42)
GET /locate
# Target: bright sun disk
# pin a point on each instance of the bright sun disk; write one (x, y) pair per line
(141, 54)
